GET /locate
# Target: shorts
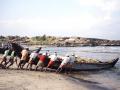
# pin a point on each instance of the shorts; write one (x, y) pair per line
(40, 63)
(31, 60)
(4, 58)
(61, 66)
(22, 61)
(11, 57)
(70, 63)
(11, 60)
(65, 64)
(50, 63)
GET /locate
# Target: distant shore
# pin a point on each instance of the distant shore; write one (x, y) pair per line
(59, 41)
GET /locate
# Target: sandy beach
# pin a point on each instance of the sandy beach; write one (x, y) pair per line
(31, 80)
(36, 80)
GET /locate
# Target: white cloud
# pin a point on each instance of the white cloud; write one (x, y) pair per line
(91, 2)
(86, 23)
(86, 20)
(105, 8)
(49, 23)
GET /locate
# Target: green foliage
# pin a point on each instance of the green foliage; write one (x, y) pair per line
(39, 38)
(2, 37)
(43, 37)
(42, 40)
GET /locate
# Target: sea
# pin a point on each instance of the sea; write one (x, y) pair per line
(94, 80)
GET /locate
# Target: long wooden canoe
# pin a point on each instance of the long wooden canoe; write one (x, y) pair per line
(92, 66)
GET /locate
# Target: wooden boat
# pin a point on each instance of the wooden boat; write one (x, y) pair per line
(91, 66)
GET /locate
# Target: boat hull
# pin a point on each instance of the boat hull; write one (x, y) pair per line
(91, 66)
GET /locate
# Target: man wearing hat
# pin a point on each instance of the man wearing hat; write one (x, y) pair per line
(71, 62)
(63, 64)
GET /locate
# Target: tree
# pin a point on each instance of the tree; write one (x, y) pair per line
(43, 37)
(2, 37)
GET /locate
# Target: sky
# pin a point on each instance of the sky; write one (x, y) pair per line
(83, 18)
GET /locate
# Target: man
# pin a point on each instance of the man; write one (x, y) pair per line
(71, 62)
(33, 59)
(12, 58)
(53, 58)
(41, 61)
(4, 57)
(63, 64)
(48, 53)
(24, 58)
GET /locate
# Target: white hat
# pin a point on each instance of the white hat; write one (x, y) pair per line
(73, 54)
(44, 53)
(55, 53)
(67, 55)
(76, 56)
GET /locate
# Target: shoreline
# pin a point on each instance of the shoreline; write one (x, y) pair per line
(73, 46)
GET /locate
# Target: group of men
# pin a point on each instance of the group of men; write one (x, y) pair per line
(37, 59)
(11, 54)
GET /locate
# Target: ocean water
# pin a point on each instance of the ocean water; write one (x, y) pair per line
(94, 80)
(102, 53)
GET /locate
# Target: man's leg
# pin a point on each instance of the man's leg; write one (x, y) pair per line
(60, 68)
(42, 66)
(66, 68)
(19, 65)
(3, 60)
(15, 58)
(29, 64)
(71, 67)
(11, 62)
(5, 64)
(23, 64)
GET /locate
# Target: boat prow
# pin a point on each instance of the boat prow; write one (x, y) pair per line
(115, 61)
